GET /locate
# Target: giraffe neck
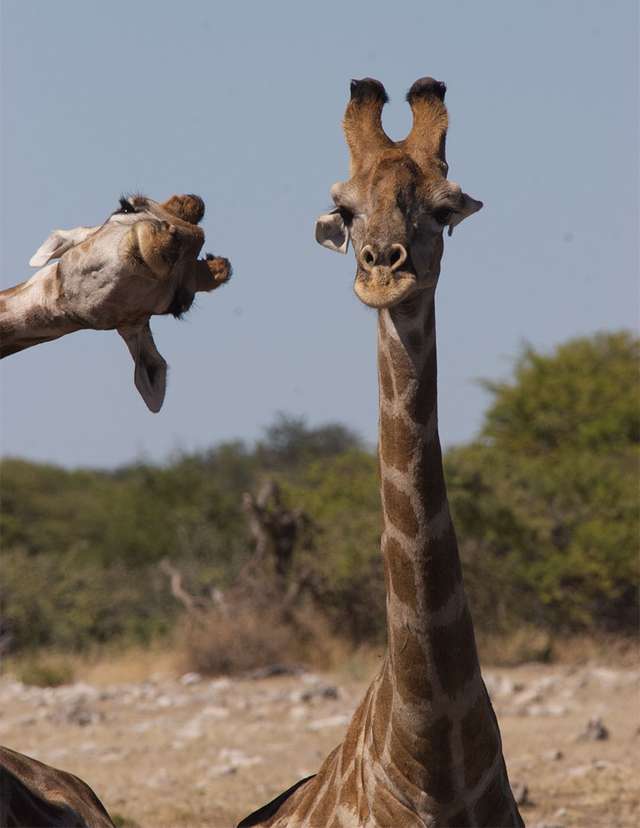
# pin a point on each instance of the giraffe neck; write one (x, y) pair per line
(437, 694)
(30, 313)
(423, 747)
(428, 621)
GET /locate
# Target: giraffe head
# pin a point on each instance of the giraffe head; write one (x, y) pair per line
(397, 201)
(143, 260)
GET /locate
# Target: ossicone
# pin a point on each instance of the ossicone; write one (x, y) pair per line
(368, 89)
(189, 207)
(426, 88)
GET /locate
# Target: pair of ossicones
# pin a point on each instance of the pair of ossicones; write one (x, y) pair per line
(143, 260)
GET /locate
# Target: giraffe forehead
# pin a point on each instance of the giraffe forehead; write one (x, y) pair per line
(395, 175)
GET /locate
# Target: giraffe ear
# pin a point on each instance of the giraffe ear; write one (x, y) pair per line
(332, 231)
(58, 243)
(52, 248)
(469, 206)
(150, 376)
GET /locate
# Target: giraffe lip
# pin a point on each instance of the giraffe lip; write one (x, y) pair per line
(382, 287)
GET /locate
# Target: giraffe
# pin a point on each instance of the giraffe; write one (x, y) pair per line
(33, 794)
(141, 261)
(423, 748)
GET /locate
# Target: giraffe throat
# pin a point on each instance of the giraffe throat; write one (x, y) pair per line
(437, 698)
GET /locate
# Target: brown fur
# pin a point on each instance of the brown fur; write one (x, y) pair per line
(189, 208)
(423, 748)
(35, 794)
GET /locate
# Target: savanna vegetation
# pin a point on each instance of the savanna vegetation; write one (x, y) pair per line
(545, 502)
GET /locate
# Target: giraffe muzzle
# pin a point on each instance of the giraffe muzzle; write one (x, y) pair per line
(382, 287)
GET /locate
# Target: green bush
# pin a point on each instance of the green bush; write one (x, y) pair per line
(545, 503)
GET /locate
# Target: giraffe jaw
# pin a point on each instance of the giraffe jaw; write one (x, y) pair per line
(382, 288)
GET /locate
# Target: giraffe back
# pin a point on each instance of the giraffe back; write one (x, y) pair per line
(35, 794)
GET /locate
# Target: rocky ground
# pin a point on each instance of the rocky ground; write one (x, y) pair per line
(189, 751)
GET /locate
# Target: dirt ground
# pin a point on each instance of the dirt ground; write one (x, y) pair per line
(189, 751)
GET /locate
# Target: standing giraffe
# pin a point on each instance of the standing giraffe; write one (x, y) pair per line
(423, 748)
(142, 260)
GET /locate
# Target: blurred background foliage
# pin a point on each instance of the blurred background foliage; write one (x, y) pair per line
(545, 502)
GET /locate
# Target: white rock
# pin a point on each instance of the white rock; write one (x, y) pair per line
(238, 759)
(214, 711)
(331, 721)
(545, 710)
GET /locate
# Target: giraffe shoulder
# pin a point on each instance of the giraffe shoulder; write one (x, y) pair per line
(271, 808)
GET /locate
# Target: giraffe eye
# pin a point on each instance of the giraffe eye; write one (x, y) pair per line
(346, 215)
(125, 207)
(442, 215)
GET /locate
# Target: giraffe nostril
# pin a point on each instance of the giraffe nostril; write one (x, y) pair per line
(368, 256)
(397, 257)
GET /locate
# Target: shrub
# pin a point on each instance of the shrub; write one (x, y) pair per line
(45, 672)
(248, 638)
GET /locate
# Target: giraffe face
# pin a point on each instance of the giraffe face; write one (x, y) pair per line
(394, 215)
(143, 260)
(133, 265)
(398, 200)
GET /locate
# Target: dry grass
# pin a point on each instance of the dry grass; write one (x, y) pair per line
(527, 645)
(128, 665)
(522, 646)
(224, 643)
(611, 650)
(102, 666)
(49, 670)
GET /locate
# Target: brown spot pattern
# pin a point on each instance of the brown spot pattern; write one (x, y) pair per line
(443, 571)
(480, 740)
(403, 370)
(386, 382)
(362, 803)
(401, 572)
(423, 402)
(423, 756)
(309, 792)
(454, 653)
(382, 712)
(430, 478)
(325, 804)
(396, 441)
(386, 809)
(349, 784)
(398, 509)
(491, 808)
(409, 664)
(350, 743)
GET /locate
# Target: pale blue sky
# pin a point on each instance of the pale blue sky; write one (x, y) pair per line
(241, 102)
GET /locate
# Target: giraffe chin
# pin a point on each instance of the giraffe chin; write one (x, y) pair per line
(384, 290)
